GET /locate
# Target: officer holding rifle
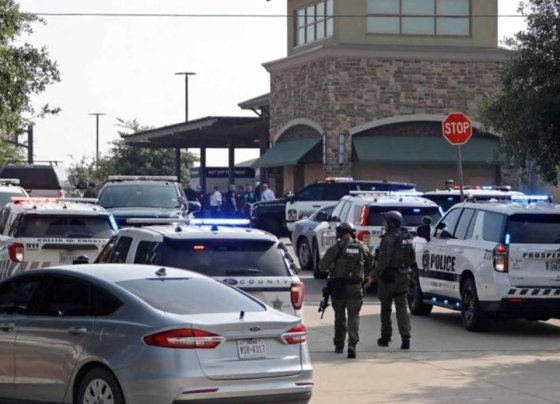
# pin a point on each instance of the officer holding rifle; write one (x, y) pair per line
(346, 262)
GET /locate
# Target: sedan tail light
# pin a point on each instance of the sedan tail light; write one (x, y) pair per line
(501, 258)
(184, 338)
(15, 251)
(297, 295)
(297, 335)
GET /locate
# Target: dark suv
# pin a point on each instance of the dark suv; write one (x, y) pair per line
(278, 216)
(43, 180)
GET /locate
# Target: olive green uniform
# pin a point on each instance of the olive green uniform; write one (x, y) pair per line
(347, 261)
(393, 282)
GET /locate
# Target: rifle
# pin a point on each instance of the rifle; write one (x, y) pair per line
(324, 303)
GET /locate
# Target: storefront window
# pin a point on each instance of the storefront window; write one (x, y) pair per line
(314, 22)
(419, 17)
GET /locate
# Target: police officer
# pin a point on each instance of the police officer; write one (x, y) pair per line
(346, 262)
(392, 267)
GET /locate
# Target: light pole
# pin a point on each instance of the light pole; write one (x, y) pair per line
(178, 149)
(97, 115)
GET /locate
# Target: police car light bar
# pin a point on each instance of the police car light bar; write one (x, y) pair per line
(9, 181)
(387, 193)
(221, 222)
(142, 178)
(531, 198)
(339, 179)
(197, 222)
(163, 220)
(79, 200)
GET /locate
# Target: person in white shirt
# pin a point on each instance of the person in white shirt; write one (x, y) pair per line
(266, 194)
(215, 203)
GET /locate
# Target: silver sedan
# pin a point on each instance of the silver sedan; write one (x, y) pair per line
(118, 333)
(304, 239)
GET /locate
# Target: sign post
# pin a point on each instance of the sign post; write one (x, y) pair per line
(457, 130)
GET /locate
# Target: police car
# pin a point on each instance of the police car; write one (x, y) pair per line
(40, 232)
(446, 198)
(250, 259)
(364, 208)
(490, 259)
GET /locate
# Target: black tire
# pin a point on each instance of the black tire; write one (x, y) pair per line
(305, 254)
(474, 319)
(415, 296)
(104, 381)
(316, 273)
(270, 225)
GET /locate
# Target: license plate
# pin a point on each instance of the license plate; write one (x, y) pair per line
(553, 265)
(251, 348)
(65, 258)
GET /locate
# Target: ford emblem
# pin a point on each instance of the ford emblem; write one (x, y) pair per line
(230, 281)
(254, 329)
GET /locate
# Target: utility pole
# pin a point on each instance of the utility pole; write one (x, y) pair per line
(97, 115)
(178, 149)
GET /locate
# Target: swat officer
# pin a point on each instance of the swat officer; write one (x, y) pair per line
(346, 262)
(392, 267)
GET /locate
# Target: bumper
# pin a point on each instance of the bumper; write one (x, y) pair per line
(521, 307)
(293, 398)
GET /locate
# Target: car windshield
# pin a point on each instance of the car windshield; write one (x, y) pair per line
(191, 296)
(162, 196)
(224, 257)
(65, 226)
(32, 177)
(534, 229)
(412, 216)
(6, 197)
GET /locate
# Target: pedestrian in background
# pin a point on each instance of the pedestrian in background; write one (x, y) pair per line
(190, 193)
(250, 198)
(392, 272)
(267, 194)
(230, 202)
(215, 203)
(346, 262)
(90, 192)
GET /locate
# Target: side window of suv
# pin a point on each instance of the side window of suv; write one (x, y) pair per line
(313, 192)
(344, 214)
(493, 225)
(446, 228)
(466, 224)
(4, 219)
(120, 252)
(337, 212)
(145, 252)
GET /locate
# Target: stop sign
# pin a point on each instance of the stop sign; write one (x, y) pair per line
(457, 128)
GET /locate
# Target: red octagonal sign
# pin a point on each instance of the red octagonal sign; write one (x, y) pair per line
(457, 128)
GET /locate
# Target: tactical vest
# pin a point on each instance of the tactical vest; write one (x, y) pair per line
(403, 254)
(350, 264)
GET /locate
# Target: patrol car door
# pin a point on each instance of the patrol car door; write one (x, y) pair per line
(305, 202)
(326, 233)
(437, 259)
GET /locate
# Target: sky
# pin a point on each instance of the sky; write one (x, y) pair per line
(124, 67)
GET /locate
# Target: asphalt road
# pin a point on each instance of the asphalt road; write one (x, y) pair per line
(516, 361)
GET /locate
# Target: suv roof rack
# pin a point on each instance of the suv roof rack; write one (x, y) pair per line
(35, 162)
(120, 178)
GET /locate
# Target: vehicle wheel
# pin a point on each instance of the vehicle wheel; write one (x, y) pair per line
(270, 225)
(99, 386)
(474, 319)
(305, 255)
(316, 259)
(415, 296)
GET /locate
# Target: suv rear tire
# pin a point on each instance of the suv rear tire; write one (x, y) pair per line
(316, 273)
(305, 254)
(415, 296)
(474, 319)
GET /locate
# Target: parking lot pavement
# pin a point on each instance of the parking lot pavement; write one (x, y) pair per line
(515, 362)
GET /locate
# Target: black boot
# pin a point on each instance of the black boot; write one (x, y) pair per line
(339, 348)
(383, 342)
(351, 352)
(405, 343)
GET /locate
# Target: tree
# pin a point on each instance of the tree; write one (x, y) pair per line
(24, 70)
(526, 108)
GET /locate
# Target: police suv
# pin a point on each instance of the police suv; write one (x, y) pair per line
(40, 232)
(364, 210)
(489, 259)
(446, 198)
(250, 259)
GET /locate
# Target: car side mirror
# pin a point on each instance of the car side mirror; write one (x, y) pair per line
(291, 198)
(427, 220)
(194, 206)
(441, 226)
(322, 217)
(334, 219)
(82, 259)
(424, 231)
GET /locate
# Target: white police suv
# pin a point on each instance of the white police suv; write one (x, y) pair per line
(250, 259)
(40, 232)
(490, 259)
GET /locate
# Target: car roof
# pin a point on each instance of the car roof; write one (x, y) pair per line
(128, 183)
(204, 232)
(391, 200)
(475, 192)
(47, 206)
(511, 208)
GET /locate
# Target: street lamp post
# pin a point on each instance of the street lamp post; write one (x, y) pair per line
(178, 149)
(97, 115)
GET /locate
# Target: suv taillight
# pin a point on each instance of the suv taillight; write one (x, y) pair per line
(15, 251)
(364, 236)
(184, 338)
(296, 335)
(60, 193)
(297, 295)
(501, 258)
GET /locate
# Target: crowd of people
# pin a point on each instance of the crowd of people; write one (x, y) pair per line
(234, 203)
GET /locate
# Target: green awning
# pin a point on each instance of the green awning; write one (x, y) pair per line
(426, 150)
(287, 153)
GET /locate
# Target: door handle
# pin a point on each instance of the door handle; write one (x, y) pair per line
(316, 206)
(7, 327)
(77, 330)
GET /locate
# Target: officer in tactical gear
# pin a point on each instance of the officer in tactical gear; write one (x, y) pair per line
(346, 263)
(392, 268)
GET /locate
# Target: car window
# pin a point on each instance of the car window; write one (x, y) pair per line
(464, 224)
(105, 254)
(333, 192)
(337, 212)
(446, 228)
(145, 252)
(534, 229)
(191, 296)
(105, 303)
(328, 211)
(162, 195)
(17, 294)
(444, 201)
(32, 177)
(65, 226)
(6, 197)
(412, 216)
(4, 219)
(344, 213)
(493, 226)
(311, 193)
(120, 252)
(65, 297)
(223, 257)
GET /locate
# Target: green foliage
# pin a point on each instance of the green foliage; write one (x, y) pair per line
(526, 109)
(8, 152)
(24, 70)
